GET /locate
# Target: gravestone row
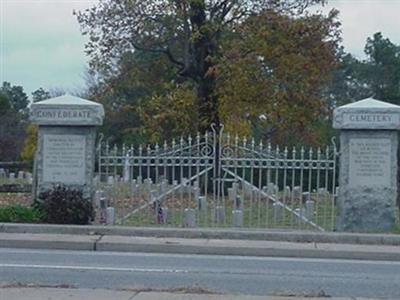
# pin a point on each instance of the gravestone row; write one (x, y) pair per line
(13, 176)
(156, 194)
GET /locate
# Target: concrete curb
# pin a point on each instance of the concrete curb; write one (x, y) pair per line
(199, 246)
(48, 241)
(247, 248)
(208, 233)
(36, 293)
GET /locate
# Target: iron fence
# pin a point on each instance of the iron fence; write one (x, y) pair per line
(219, 180)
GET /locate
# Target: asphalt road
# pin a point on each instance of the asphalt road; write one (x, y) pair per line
(230, 274)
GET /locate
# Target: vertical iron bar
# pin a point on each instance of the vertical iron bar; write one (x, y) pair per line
(276, 187)
(284, 165)
(252, 183)
(215, 174)
(157, 164)
(260, 146)
(317, 200)
(269, 165)
(244, 188)
(206, 161)
(189, 172)
(141, 177)
(108, 161)
(181, 161)
(292, 204)
(140, 161)
(310, 158)
(219, 187)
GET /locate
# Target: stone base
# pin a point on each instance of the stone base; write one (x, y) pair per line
(366, 209)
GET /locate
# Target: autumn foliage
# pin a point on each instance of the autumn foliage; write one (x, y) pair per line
(272, 78)
(258, 67)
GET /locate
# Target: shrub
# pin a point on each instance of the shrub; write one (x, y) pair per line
(63, 205)
(17, 213)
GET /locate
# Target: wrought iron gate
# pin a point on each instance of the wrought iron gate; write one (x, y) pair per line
(219, 180)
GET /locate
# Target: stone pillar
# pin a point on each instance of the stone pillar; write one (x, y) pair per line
(368, 165)
(66, 144)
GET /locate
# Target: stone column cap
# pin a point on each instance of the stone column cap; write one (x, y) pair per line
(367, 114)
(67, 110)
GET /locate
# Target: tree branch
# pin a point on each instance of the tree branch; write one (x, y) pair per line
(165, 51)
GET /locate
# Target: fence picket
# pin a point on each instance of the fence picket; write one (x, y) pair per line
(271, 186)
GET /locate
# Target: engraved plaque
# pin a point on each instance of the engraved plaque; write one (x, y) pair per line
(369, 163)
(370, 120)
(64, 158)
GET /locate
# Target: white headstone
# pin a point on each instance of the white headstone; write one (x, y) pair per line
(110, 180)
(271, 188)
(297, 192)
(306, 196)
(232, 194)
(110, 216)
(127, 173)
(11, 176)
(237, 218)
(189, 217)
(239, 203)
(196, 193)
(219, 214)
(21, 174)
(165, 214)
(202, 204)
(309, 210)
(301, 213)
(29, 177)
(277, 212)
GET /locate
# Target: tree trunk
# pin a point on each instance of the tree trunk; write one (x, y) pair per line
(205, 50)
(207, 104)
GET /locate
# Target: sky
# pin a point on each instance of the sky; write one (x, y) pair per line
(41, 44)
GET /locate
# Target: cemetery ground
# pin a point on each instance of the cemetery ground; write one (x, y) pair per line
(258, 211)
(15, 199)
(136, 210)
(134, 206)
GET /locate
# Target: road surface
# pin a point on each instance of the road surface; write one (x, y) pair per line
(230, 274)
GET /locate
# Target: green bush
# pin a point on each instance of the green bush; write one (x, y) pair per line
(63, 205)
(17, 213)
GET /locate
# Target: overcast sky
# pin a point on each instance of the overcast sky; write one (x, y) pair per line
(41, 45)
